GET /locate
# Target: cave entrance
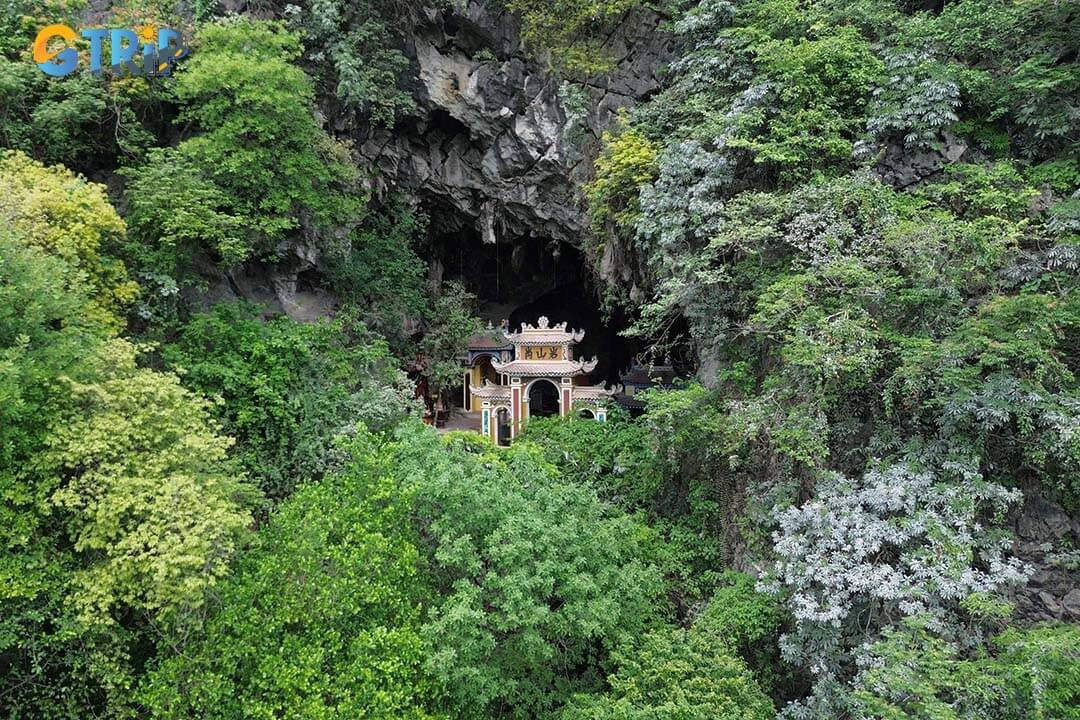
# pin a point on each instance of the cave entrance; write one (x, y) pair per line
(520, 279)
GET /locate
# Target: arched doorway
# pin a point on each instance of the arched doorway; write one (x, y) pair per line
(475, 376)
(502, 426)
(586, 414)
(543, 398)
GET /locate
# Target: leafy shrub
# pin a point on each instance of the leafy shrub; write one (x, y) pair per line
(616, 457)
(378, 273)
(675, 673)
(917, 102)
(748, 622)
(256, 165)
(122, 511)
(666, 463)
(569, 31)
(72, 219)
(449, 323)
(287, 389)
(321, 619)
(87, 122)
(894, 544)
(627, 162)
(352, 48)
(1029, 673)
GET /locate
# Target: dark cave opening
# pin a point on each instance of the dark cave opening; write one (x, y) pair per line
(577, 305)
(522, 279)
(442, 122)
(309, 281)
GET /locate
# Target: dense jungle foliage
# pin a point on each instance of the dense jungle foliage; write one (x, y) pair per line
(212, 511)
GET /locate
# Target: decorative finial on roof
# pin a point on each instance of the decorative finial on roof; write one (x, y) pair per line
(543, 322)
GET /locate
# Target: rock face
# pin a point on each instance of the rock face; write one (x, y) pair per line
(1047, 538)
(289, 284)
(902, 167)
(496, 146)
(496, 151)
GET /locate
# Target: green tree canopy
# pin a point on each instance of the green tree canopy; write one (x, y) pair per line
(321, 619)
(287, 388)
(538, 579)
(72, 219)
(675, 673)
(121, 510)
(256, 169)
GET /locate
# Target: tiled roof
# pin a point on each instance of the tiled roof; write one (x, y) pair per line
(587, 392)
(547, 337)
(638, 375)
(544, 332)
(559, 368)
(491, 392)
(491, 339)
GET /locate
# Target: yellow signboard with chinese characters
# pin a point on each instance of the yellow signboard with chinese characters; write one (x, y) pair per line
(541, 352)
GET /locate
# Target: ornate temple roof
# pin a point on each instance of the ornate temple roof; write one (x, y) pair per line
(553, 368)
(492, 338)
(544, 333)
(593, 393)
(487, 391)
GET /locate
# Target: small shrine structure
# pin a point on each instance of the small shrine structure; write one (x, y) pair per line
(530, 373)
(643, 375)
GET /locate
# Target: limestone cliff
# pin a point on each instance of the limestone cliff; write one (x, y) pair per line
(495, 152)
(494, 141)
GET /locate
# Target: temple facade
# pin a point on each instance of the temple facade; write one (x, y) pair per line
(530, 373)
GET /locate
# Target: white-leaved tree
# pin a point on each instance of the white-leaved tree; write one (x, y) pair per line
(894, 543)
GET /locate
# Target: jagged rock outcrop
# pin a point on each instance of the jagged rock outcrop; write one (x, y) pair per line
(1048, 538)
(495, 146)
(902, 167)
(495, 151)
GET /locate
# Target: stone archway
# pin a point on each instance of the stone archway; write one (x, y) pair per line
(586, 414)
(544, 398)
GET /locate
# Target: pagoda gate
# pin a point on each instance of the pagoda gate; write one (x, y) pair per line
(531, 373)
